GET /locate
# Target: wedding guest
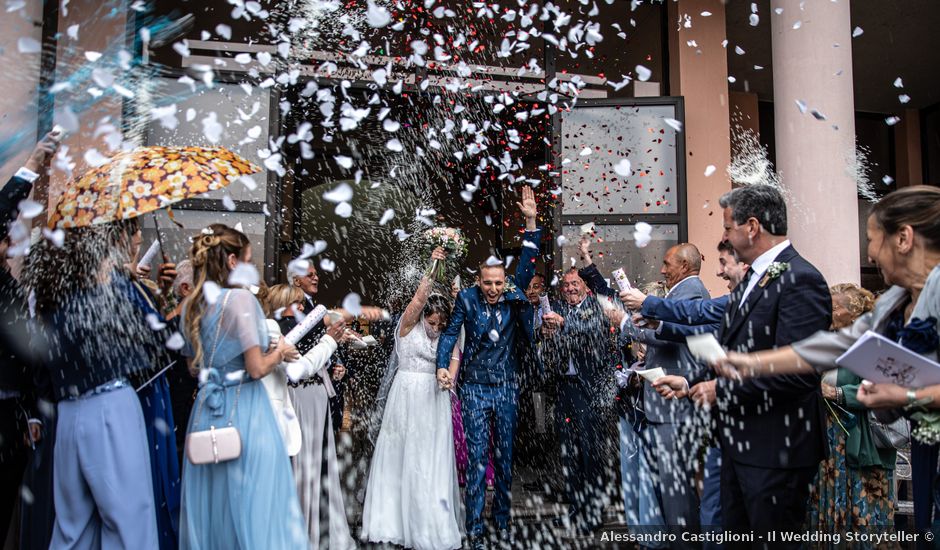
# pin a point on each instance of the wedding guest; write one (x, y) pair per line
(316, 469)
(413, 463)
(670, 441)
(577, 349)
(309, 283)
(154, 393)
(855, 487)
(903, 232)
(183, 385)
(103, 487)
(642, 509)
(250, 500)
(768, 461)
(20, 425)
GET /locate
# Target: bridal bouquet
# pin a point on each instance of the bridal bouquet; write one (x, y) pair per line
(451, 240)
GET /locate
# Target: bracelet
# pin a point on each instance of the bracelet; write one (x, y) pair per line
(911, 397)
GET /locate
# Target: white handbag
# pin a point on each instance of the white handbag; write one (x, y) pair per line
(215, 444)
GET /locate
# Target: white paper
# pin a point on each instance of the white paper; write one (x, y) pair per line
(705, 348)
(545, 304)
(880, 360)
(298, 332)
(651, 375)
(148, 256)
(622, 281)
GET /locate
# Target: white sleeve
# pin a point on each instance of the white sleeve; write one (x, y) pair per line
(314, 361)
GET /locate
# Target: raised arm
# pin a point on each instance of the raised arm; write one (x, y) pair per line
(530, 241)
(412, 314)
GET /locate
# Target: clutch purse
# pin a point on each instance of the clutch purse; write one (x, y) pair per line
(215, 444)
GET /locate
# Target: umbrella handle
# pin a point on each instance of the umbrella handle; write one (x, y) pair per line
(156, 226)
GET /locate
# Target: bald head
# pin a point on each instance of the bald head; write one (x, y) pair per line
(681, 261)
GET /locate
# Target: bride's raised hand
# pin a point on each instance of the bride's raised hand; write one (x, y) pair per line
(439, 254)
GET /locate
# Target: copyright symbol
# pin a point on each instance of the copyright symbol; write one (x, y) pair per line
(928, 536)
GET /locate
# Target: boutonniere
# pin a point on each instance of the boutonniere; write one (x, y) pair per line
(510, 286)
(775, 270)
(586, 313)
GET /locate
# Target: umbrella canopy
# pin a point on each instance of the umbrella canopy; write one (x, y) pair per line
(143, 180)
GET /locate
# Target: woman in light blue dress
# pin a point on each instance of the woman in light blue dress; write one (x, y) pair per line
(251, 501)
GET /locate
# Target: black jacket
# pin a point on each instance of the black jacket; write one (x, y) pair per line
(776, 421)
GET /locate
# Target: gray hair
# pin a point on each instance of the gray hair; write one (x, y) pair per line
(184, 274)
(761, 202)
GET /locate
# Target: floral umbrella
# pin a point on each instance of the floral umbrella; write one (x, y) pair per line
(143, 180)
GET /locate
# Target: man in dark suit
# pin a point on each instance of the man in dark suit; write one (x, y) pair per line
(670, 441)
(770, 429)
(494, 317)
(577, 350)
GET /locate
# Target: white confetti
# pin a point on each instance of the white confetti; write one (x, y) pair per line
(29, 209)
(754, 19)
(154, 321)
(353, 304)
(387, 216)
(643, 73)
(56, 237)
(856, 32)
(494, 335)
(211, 128)
(28, 44)
(801, 105)
(244, 275)
(175, 342)
(327, 265)
(674, 124)
(390, 125)
(92, 56)
(898, 83)
(344, 210)
(377, 16)
(343, 161)
(623, 168)
(341, 193)
(892, 120)
(585, 152)
(709, 170)
(211, 291)
(493, 261)
(394, 145)
(95, 159)
(904, 98)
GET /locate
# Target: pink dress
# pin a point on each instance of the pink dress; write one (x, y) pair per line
(460, 445)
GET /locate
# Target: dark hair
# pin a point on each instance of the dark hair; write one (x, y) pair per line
(917, 206)
(725, 246)
(761, 202)
(439, 304)
(55, 273)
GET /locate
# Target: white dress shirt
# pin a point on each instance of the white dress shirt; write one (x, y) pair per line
(760, 266)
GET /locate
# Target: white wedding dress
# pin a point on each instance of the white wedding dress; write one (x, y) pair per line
(412, 498)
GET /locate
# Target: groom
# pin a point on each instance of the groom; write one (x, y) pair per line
(494, 317)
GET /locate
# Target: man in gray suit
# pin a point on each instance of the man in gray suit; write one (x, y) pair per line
(671, 441)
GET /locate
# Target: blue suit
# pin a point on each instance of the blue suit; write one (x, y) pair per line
(488, 389)
(682, 318)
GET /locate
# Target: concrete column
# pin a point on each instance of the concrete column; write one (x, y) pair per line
(908, 155)
(699, 73)
(18, 106)
(812, 64)
(100, 30)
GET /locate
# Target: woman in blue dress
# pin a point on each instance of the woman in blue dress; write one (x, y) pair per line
(250, 501)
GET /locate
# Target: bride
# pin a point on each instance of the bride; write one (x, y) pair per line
(412, 498)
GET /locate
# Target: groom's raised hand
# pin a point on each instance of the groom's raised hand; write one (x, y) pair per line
(528, 208)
